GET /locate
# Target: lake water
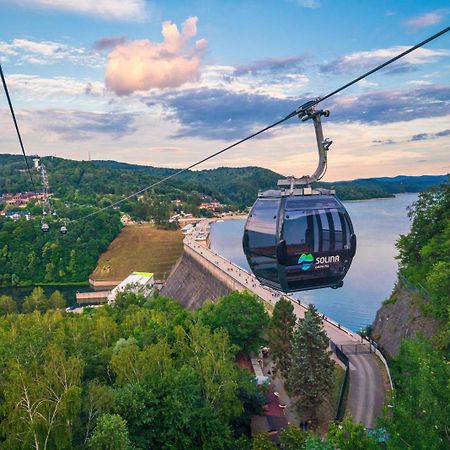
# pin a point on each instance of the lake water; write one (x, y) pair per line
(371, 278)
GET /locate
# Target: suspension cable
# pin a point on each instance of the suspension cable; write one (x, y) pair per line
(5, 87)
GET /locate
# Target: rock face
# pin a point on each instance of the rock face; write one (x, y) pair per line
(191, 283)
(399, 318)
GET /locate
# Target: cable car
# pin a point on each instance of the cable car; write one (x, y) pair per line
(63, 229)
(44, 227)
(298, 239)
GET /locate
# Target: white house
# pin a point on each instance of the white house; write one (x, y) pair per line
(137, 282)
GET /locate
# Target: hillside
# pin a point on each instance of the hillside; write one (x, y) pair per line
(413, 329)
(100, 182)
(143, 248)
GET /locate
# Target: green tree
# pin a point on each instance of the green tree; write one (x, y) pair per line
(42, 402)
(7, 305)
(262, 442)
(110, 433)
(242, 315)
(313, 442)
(311, 374)
(36, 301)
(280, 334)
(424, 253)
(421, 400)
(348, 435)
(292, 438)
(57, 300)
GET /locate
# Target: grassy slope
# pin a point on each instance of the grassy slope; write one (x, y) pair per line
(139, 248)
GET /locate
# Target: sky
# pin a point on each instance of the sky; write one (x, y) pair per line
(166, 83)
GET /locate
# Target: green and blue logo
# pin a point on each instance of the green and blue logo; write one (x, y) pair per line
(306, 260)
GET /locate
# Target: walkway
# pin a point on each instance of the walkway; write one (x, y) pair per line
(366, 389)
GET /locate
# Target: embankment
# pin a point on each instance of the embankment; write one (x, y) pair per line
(192, 282)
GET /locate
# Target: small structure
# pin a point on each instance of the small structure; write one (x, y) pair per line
(92, 298)
(137, 282)
(16, 215)
(187, 229)
(125, 219)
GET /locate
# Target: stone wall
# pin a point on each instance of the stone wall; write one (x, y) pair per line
(194, 280)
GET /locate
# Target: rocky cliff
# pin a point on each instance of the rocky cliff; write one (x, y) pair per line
(401, 317)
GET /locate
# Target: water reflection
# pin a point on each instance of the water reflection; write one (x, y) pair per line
(378, 224)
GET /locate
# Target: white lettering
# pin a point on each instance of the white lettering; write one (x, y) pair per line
(327, 259)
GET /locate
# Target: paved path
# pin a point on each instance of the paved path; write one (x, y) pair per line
(366, 388)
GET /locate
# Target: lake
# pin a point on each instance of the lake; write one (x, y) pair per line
(371, 278)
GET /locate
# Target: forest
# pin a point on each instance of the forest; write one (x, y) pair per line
(101, 182)
(144, 374)
(29, 256)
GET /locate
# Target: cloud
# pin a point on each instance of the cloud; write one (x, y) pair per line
(270, 65)
(427, 136)
(36, 87)
(426, 20)
(49, 52)
(383, 107)
(384, 142)
(124, 10)
(108, 43)
(219, 113)
(368, 59)
(82, 125)
(308, 3)
(142, 65)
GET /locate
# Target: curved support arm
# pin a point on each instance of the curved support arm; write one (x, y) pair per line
(322, 145)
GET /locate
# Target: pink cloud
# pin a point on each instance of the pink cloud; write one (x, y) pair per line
(426, 20)
(142, 64)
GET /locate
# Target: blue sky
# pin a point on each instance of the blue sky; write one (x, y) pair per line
(167, 82)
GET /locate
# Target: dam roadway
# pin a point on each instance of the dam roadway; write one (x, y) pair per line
(366, 383)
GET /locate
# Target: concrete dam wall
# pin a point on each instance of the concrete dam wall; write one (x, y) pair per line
(194, 280)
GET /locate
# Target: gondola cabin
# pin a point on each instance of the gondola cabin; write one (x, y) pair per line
(299, 242)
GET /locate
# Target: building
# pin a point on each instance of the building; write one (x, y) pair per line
(187, 229)
(16, 215)
(137, 282)
(125, 219)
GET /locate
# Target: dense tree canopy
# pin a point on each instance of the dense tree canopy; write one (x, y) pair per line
(144, 374)
(27, 255)
(425, 251)
(242, 315)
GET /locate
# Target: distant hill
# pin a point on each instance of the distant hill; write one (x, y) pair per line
(87, 182)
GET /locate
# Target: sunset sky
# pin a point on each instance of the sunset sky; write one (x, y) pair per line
(167, 82)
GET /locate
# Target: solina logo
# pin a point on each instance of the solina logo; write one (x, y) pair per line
(306, 260)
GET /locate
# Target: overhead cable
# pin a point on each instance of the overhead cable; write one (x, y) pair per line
(5, 87)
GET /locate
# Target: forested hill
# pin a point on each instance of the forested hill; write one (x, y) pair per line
(86, 182)
(417, 316)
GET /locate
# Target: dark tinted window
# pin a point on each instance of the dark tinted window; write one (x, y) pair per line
(298, 232)
(262, 218)
(326, 231)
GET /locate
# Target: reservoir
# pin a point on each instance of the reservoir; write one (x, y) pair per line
(378, 224)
